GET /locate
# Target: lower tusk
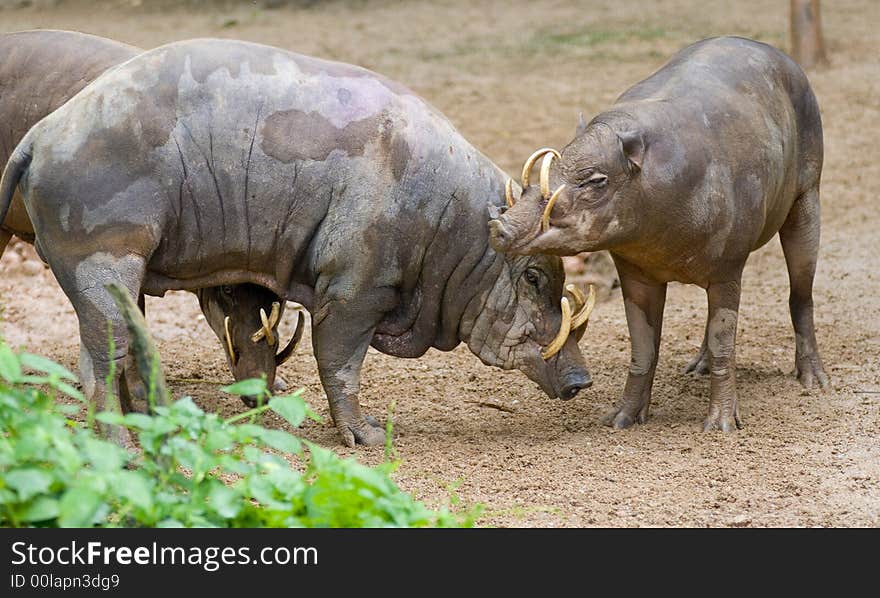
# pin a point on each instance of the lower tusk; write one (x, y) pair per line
(285, 353)
(545, 217)
(229, 339)
(583, 315)
(508, 193)
(564, 328)
(544, 179)
(530, 163)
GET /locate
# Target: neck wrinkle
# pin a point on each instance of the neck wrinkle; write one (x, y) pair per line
(490, 264)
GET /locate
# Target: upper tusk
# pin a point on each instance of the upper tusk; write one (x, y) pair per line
(544, 179)
(530, 163)
(583, 315)
(229, 339)
(577, 294)
(564, 328)
(275, 315)
(577, 298)
(508, 193)
(267, 329)
(545, 217)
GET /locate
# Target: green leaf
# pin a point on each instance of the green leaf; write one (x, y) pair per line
(247, 432)
(249, 388)
(78, 507)
(43, 364)
(218, 439)
(69, 390)
(105, 456)
(138, 421)
(66, 455)
(67, 409)
(28, 482)
(111, 418)
(285, 479)
(42, 509)
(253, 454)
(321, 457)
(133, 486)
(313, 416)
(10, 368)
(292, 408)
(187, 407)
(281, 440)
(226, 501)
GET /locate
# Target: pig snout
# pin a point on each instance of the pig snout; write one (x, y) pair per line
(573, 383)
(500, 235)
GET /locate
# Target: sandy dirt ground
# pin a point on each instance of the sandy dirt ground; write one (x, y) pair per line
(513, 76)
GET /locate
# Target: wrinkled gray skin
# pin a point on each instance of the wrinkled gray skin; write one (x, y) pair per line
(212, 162)
(690, 171)
(39, 71)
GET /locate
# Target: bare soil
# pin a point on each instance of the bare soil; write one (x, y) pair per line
(513, 76)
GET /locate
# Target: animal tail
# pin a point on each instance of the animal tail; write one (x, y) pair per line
(15, 169)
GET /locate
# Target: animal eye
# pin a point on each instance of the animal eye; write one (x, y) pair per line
(227, 290)
(597, 179)
(532, 277)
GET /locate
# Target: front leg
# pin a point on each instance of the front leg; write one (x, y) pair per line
(643, 301)
(721, 340)
(342, 328)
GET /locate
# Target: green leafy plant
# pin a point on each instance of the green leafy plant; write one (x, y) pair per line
(194, 468)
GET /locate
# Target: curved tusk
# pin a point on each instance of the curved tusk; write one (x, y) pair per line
(267, 329)
(508, 193)
(583, 315)
(545, 217)
(275, 314)
(530, 163)
(577, 294)
(229, 339)
(564, 328)
(544, 179)
(288, 350)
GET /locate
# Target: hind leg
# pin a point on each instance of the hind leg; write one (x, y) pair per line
(700, 363)
(800, 244)
(83, 279)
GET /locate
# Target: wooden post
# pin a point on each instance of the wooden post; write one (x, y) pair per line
(807, 45)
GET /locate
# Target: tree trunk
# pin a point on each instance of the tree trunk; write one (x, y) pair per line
(807, 46)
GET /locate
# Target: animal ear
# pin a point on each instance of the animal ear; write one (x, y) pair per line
(582, 125)
(633, 147)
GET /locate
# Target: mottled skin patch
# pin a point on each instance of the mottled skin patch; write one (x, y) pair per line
(39, 71)
(324, 183)
(292, 135)
(691, 170)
